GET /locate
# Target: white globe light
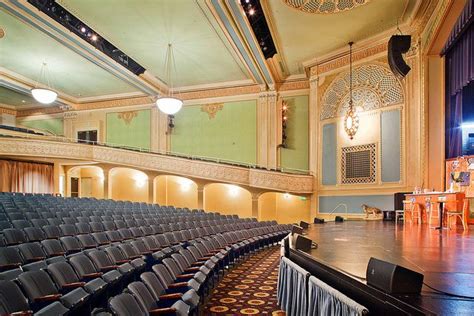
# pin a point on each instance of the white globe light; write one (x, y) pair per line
(169, 105)
(44, 96)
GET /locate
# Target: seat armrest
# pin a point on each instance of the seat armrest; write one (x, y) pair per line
(122, 261)
(36, 259)
(58, 254)
(174, 296)
(48, 298)
(191, 269)
(93, 275)
(22, 313)
(74, 285)
(205, 258)
(187, 275)
(10, 266)
(161, 311)
(108, 268)
(179, 284)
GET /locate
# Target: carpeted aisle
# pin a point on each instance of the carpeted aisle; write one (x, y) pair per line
(249, 288)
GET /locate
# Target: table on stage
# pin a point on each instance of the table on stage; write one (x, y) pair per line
(449, 202)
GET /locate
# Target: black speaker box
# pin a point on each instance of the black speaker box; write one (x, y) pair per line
(295, 229)
(302, 243)
(392, 278)
(318, 220)
(397, 46)
(304, 225)
(339, 219)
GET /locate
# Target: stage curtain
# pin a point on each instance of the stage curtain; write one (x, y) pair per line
(325, 300)
(458, 51)
(26, 177)
(292, 288)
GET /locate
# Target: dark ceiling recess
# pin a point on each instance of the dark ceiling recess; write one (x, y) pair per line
(73, 24)
(254, 12)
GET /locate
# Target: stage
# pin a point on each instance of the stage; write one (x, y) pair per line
(446, 258)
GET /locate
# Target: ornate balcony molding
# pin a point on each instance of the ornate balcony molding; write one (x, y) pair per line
(262, 179)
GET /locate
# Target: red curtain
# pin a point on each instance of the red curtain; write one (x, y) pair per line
(26, 177)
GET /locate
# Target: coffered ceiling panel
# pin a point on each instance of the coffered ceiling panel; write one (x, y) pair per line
(24, 48)
(143, 29)
(304, 35)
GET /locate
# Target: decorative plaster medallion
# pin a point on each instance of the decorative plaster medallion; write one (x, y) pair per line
(212, 109)
(2, 32)
(325, 6)
(127, 117)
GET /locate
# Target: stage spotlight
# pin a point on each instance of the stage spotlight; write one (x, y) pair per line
(83, 29)
(252, 11)
(94, 37)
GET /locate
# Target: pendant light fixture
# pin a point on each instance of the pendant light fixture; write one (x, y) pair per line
(169, 104)
(351, 120)
(44, 95)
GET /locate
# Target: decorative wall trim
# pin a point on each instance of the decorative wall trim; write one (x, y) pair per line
(212, 109)
(7, 111)
(294, 85)
(128, 116)
(220, 92)
(272, 180)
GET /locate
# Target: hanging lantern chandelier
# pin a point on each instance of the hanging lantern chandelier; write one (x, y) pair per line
(351, 119)
(169, 104)
(44, 95)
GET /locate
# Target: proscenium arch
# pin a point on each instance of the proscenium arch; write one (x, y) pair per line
(373, 83)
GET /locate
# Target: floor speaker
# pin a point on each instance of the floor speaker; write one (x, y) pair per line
(392, 278)
(304, 225)
(295, 229)
(339, 219)
(318, 220)
(302, 243)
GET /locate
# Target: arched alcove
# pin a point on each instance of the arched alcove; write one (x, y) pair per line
(227, 199)
(283, 207)
(176, 191)
(128, 184)
(89, 179)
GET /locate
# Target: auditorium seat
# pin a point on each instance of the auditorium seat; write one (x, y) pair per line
(125, 304)
(87, 242)
(10, 258)
(32, 252)
(34, 234)
(71, 244)
(52, 231)
(14, 236)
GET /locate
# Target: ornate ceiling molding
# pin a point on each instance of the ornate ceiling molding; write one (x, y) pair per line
(294, 85)
(270, 180)
(2, 33)
(324, 6)
(344, 60)
(7, 111)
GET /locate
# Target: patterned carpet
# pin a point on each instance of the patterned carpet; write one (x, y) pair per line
(249, 288)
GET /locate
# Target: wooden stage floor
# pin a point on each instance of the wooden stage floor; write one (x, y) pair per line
(446, 258)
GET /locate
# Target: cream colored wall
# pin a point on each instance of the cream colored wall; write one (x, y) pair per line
(176, 191)
(128, 185)
(218, 198)
(284, 208)
(97, 176)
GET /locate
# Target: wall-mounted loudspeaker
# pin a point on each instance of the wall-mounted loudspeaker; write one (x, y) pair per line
(304, 225)
(302, 243)
(393, 279)
(295, 229)
(397, 46)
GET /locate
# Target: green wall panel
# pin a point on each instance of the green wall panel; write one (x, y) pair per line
(297, 154)
(230, 135)
(136, 133)
(54, 125)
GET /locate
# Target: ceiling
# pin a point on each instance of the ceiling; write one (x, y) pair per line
(211, 44)
(302, 36)
(24, 49)
(143, 29)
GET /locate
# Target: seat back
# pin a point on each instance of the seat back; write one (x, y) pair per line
(37, 284)
(153, 283)
(143, 295)
(125, 304)
(12, 298)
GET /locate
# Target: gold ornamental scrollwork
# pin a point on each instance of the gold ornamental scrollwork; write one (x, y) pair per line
(212, 109)
(325, 6)
(127, 117)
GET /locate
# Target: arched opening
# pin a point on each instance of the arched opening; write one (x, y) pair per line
(85, 181)
(285, 208)
(176, 191)
(228, 199)
(127, 184)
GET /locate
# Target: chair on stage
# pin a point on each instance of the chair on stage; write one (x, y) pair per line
(459, 213)
(412, 208)
(434, 213)
(429, 207)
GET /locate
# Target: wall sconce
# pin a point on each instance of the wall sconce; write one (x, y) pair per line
(170, 124)
(284, 120)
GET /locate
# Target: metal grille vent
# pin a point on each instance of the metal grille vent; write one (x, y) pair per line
(359, 164)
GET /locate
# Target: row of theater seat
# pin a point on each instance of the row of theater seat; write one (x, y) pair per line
(73, 268)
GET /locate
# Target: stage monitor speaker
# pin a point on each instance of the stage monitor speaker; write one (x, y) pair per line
(302, 243)
(392, 278)
(304, 225)
(339, 219)
(295, 229)
(318, 220)
(397, 46)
